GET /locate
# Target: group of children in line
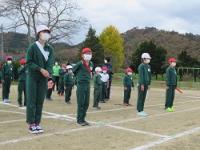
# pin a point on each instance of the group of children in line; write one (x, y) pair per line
(36, 80)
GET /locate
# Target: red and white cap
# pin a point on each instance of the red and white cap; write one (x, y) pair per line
(104, 68)
(22, 61)
(128, 70)
(172, 59)
(86, 50)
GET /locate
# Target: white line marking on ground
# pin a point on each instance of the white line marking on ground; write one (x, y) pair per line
(45, 135)
(193, 97)
(132, 107)
(138, 131)
(158, 115)
(14, 112)
(161, 141)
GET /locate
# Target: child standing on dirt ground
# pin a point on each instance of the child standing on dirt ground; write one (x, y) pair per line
(68, 83)
(171, 83)
(97, 88)
(40, 59)
(144, 81)
(7, 76)
(105, 83)
(22, 82)
(62, 72)
(128, 84)
(83, 72)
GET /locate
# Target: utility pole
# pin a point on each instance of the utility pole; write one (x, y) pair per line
(2, 43)
(29, 29)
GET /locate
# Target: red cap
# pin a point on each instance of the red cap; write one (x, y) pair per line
(128, 70)
(22, 61)
(172, 59)
(9, 58)
(104, 68)
(86, 50)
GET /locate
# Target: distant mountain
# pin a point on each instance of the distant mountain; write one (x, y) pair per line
(173, 42)
(16, 44)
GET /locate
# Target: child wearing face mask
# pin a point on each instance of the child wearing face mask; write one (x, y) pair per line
(83, 73)
(40, 59)
(62, 72)
(171, 83)
(22, 82)
(97, 88)
(105, 83)
(7, 75)
(128, 84)
(144, 81)
(68, 83)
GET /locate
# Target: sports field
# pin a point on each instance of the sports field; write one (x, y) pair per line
(114, 127)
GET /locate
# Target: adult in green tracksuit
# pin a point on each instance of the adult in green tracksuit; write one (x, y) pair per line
(39, 65)
(61, 87)
(22, 82)
(144, 81)
(7, 75)
(82, 70)
(128, 84)
(69, 83)
(97, 88)
(171, 83)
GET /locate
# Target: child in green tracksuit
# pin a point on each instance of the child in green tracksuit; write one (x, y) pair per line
(97, 88)
(83, 72)
(7, 75)
(68, 83)
(128, 84)
(171, 83)
(22, 82)
(144, 81)
(62, 72)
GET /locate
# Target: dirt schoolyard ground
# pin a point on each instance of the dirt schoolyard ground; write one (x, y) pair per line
(114, 127)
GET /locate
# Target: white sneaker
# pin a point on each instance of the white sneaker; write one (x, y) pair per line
(6, 101)
(142, 114)
(39, 129)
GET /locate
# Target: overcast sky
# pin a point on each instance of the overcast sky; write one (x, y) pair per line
(178, 15)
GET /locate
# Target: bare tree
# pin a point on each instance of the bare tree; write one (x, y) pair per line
(58, 15)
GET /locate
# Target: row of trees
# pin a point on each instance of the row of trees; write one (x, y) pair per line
(110, 44)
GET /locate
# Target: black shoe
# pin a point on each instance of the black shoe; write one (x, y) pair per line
(86, 123)
(68, 102)
(102, 102)
(82, 123)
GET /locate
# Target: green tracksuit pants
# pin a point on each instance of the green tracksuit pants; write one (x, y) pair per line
(68, 93)
(6, 88)
(141, 98)
(127, 95)
(36, 92)
(21, 90)
(97, 96)
(83, 96)
(170, 93)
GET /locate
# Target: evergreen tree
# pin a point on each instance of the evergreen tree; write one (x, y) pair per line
(93, 42)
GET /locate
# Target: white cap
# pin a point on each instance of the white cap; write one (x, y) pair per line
(42, 28)
(69, 67)
(98, 69)
(146, 55)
